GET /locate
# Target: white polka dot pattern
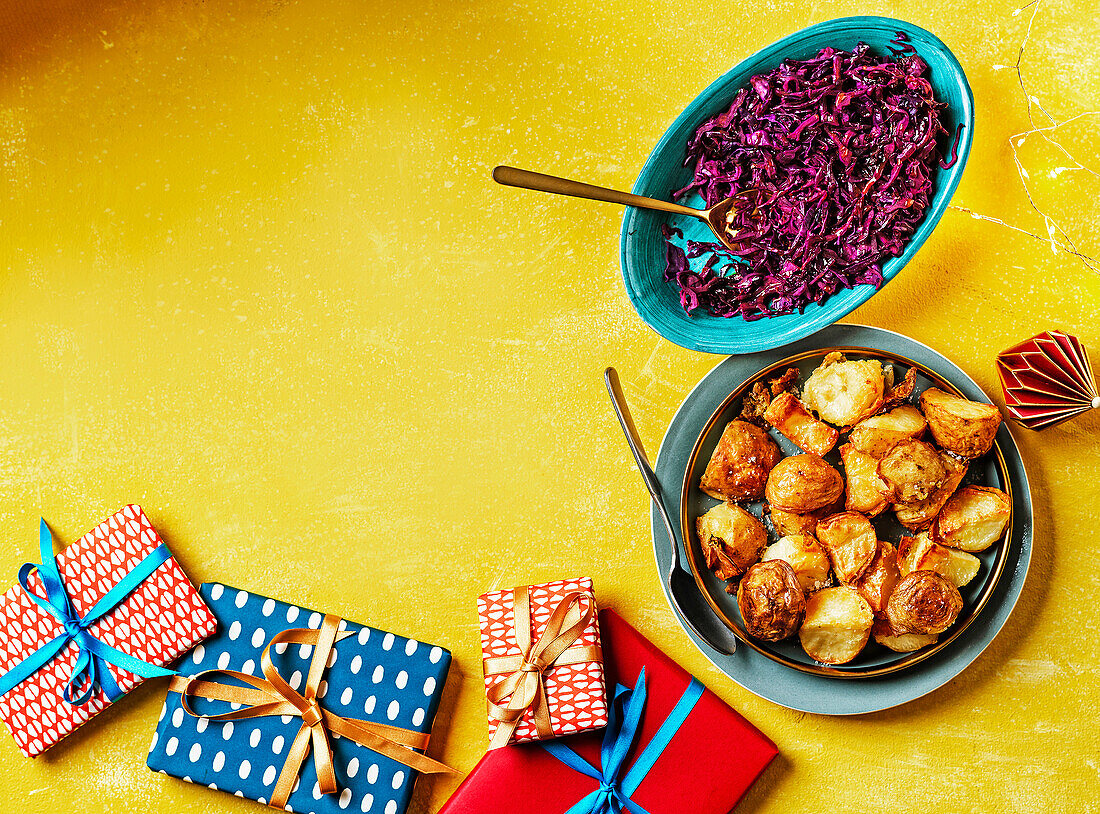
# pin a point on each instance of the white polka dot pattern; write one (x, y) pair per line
(371, 674)
(160, 620)
(576, 694)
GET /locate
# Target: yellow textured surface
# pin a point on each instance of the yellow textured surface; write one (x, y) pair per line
(255, 277)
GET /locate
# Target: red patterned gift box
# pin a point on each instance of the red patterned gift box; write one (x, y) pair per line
(543, 663)
(687, 752)
(162, 618)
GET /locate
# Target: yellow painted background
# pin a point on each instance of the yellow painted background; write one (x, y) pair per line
(254, 276)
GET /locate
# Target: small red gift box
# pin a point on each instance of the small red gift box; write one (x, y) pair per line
(699, 755)
(542, 660)
(162, 618)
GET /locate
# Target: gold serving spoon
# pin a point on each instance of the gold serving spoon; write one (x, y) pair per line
(717, 217)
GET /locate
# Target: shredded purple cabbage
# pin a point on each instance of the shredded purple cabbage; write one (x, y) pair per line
(839, 151)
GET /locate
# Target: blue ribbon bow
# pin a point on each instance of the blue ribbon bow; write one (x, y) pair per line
(623, 722)
(90, 670)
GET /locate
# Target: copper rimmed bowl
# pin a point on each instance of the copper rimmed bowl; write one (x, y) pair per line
(875, 660)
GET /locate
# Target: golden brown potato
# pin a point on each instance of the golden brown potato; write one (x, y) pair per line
(973, 518)
(897, 641)
(739, 466)
(732, 539)
(913, 470)
(875, 435)
(803, 483)
(849, 540)
(771, 601)
(878, 581)
(959, 425)
(844, 393)
(787, 415)
(805, 557)
(836, 626)
(957, 567)
(921, 513)
(867, 493)
(897, 393)
(923, 602)
(911, 551)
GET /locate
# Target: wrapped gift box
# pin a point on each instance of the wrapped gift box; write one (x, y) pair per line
(371, 675)
(575, 693)
(707, 765)
(160, 620)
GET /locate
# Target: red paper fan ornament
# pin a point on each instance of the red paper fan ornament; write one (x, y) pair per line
(1047, 380)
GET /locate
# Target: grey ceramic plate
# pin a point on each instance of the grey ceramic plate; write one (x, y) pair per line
(805, 691)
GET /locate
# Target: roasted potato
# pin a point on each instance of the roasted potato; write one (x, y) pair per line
(875, 435)
(878, 581)
(911, 551)
(803, 483)
(805, 557)
(913, 470)
(836, 626)
(959, 425)
(739, 467)
(899, 392)
(867, 493)
(921, 513)
(923, 602)
(957, 567)
(793, 523)
(771, 601)
(920, 553)
(849, 540)
(897, 641)
(732, 539)
(787, 415)
(973, 518)
(844, 393)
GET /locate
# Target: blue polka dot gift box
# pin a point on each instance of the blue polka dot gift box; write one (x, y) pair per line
(301, 711)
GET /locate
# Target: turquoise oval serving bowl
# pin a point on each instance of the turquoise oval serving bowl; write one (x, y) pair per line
(643, 248)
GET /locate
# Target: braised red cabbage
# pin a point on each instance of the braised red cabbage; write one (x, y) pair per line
(840, 151)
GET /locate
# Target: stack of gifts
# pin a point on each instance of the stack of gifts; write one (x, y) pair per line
(659, 723)
(309, 712)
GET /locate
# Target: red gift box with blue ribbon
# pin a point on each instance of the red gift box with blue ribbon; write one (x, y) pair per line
(671, 746)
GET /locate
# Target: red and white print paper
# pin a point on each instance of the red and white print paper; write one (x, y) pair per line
(158, 622)
(575, 693)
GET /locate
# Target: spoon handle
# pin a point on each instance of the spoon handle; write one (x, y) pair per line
(634, 440)
(512, 177)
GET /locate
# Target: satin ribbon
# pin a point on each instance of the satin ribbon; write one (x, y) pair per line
(624, 719)
(522, 686)
(272, 695)
(90, 670)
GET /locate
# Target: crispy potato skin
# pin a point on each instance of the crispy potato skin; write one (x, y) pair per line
(805, 557)
(878, 581)
(973, 518)
(920, 514)
(844, 393)
(959, 425)
(897, 641)
(732, 539)
(911, 551)
(787, 415)
(913, 470)
(866, 492)
(923, 602)
(803, 483)
(837, 625)
(875, 435)
(771, 600)
(739, 467)
(849, 540)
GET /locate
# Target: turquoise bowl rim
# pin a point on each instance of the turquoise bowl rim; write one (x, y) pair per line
(710, 337)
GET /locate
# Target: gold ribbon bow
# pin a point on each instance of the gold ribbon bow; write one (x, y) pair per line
(272, 695)
(522, 686)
